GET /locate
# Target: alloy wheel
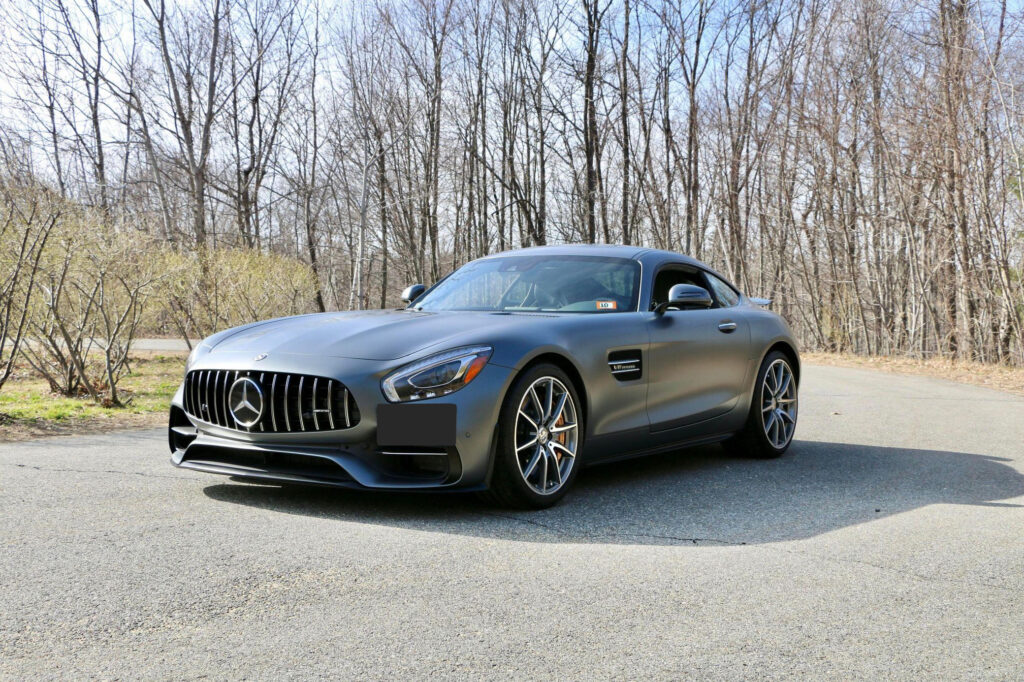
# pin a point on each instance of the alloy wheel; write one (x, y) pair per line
(546, 435)
(778, 404)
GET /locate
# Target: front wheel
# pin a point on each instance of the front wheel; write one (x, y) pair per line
(539, 439)
(771, 422)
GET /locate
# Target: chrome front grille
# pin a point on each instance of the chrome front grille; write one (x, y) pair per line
(290, 402)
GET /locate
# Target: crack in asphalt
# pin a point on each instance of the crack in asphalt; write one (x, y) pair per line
(607, 534)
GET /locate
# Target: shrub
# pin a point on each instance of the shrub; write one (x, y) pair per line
(217, 289)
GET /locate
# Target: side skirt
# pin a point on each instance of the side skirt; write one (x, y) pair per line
(669, 447)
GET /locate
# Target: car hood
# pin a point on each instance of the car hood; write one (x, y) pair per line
(366, 335)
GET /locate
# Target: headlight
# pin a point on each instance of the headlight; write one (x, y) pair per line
(436, 375)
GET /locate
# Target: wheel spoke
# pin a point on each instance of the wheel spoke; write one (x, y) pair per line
(566, 452)
(771, 422)
(529, 419)
(536, 403)
(563, 428)
(526, 445)
(785, 386)
(544, 477)
(551, 400)
(528, 471)
(554, 461)
(558, 409)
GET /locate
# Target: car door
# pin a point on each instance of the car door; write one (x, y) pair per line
(699, 358)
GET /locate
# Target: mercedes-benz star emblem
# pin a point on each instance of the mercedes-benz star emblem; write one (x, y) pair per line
(245, 400)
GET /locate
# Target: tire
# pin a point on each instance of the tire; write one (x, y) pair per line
(771, 422)
(537, 474)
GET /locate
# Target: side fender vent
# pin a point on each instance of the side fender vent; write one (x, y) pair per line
(626, 365)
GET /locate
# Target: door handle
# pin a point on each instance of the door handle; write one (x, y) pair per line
(727, 327)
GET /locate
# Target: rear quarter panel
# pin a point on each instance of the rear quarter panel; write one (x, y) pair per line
(766, 330)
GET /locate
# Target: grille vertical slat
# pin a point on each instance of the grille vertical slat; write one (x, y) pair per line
(197, 396)
(214, 406)
(208, 413)
(200, 380)
(330, 402)
(193, 389)
(302, 421)
(225, 390)
(273, 402)
(344, 403)
(206, 393)
(316, 418)
(215, 402)
(287, 417)
(186, 395)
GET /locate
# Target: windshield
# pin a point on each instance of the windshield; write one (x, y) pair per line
(570, 284)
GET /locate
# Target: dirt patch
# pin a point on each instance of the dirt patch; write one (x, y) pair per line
(12, 430)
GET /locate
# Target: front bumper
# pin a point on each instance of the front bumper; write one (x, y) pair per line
(353, 457)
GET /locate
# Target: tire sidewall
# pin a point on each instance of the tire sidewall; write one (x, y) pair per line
(506, 465)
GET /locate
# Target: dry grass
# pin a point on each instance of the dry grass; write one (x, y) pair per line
(1009, 379)
(28, 409)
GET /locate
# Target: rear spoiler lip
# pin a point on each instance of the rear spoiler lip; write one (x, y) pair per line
(763, 302)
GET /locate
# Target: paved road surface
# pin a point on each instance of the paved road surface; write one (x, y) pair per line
(889, 543)
(162, 344)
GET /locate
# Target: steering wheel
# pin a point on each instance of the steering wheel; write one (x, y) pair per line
(546, 298)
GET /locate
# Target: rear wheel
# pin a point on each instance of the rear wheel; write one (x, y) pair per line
(771, 422)
(540, 434)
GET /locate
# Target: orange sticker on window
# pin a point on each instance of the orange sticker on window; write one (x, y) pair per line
(607, 305)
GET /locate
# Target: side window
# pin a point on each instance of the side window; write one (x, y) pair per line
(669, 277)
(726, 296)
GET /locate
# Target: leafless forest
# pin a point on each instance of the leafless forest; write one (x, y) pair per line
(204, 162)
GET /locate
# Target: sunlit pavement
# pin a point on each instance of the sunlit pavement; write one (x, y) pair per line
(889, 542)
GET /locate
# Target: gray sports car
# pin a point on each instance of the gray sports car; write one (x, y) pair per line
(506, 376)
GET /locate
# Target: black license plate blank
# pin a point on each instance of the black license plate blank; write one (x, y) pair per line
(428, 426)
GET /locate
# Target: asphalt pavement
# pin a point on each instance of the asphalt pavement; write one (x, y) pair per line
(887, 544)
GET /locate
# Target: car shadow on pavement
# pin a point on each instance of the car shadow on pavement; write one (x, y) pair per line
(699, 496)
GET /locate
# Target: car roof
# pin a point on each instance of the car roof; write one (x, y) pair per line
(611, 250)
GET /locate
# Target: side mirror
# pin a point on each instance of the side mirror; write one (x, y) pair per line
(413, 292)
(685, 296)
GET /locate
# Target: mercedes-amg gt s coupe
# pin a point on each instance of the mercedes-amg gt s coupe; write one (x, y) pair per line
(506, 376)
